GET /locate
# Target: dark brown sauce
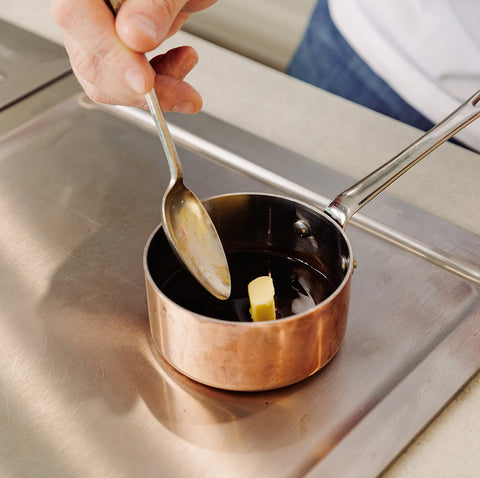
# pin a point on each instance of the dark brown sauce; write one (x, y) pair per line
(298, 287)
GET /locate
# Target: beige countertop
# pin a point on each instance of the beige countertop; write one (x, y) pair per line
(304, 119)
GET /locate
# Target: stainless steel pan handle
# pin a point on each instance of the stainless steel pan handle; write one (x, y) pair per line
(347, 203)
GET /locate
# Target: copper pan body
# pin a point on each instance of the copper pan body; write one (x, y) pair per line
(247, 356)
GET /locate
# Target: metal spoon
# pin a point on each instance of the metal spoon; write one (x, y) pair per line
(187, 225)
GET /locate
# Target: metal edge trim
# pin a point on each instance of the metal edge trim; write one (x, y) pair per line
(220, 155)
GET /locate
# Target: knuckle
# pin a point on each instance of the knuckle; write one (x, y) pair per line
(167, 10)
(87, 66)
(96, 94)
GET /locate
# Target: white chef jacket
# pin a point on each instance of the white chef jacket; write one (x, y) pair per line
(428, 51)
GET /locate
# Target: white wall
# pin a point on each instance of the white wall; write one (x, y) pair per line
(265, 30)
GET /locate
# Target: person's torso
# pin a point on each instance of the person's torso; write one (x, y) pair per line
(427, 50)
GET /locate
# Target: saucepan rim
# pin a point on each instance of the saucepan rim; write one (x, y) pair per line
(270, 323)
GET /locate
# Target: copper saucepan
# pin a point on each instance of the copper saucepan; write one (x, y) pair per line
(208, 340)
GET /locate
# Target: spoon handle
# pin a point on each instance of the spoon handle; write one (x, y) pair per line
(166, 139)
(347, 203)
(174, 164)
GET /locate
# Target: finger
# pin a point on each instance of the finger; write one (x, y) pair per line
(91, 24)
(177, 95)
(112, 96)
(196, 5)
(143, 24)
(176, 63)
(180, 19)
(100, 83)
(173, 93)
(190, 7)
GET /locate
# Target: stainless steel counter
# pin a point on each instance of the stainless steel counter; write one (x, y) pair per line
(84, 392)
(27, 64)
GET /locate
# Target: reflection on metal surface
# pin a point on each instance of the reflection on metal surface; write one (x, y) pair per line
(83, 390)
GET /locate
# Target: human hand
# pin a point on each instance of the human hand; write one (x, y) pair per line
(107, 53)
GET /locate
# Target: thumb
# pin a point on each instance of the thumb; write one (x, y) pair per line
(143, 24)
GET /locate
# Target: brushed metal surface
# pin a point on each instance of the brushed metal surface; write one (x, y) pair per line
(27, 62)
(85, 394)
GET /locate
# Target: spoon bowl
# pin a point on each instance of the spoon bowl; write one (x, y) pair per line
(188, 226)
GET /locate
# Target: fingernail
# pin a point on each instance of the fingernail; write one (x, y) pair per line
(184, 107)
(135, 80)
(144, 25)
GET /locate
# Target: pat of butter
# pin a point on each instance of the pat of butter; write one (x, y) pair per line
(262, 304)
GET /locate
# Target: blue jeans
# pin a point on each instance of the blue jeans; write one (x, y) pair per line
(325, 59)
